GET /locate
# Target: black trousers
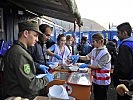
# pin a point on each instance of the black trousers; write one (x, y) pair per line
(100, 91)
(126, 97)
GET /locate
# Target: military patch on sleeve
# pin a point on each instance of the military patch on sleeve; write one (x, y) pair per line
(27, 68)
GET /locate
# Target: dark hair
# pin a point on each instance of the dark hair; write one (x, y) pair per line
(43, 27)
(69, 37)
(20, 34)
(111, 43)
(125, 27)
(60, 36)
(97, 36)
(84, 38)
(105, 41)
(115, 41)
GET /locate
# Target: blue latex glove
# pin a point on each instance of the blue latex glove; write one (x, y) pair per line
(52, 48)
(44, 68)
(50, 77)
(74, 58)
(50, 63)
(84, 66)
(57, 56)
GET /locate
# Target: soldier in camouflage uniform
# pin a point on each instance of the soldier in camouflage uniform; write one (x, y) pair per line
(19, 69)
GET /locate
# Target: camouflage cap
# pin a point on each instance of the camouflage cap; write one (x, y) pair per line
(29, 25)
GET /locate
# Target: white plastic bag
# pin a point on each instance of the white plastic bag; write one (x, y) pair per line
(58, 91)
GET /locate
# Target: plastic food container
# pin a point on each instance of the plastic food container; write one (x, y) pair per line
(80, 78)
